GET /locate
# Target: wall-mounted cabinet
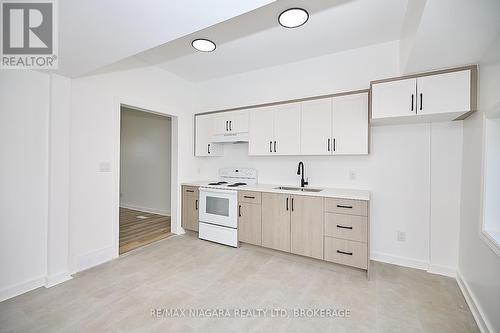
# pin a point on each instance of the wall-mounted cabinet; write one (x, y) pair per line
(204, 131)
(230, 122)
(436, 96)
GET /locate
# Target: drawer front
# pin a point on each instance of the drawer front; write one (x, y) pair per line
(250, 197)
(346, 206)
(350, 227)
(346, 252)
(190, 190)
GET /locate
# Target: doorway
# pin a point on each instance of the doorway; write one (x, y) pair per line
(145, 178)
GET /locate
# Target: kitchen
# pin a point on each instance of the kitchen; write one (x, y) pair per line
(341, 158)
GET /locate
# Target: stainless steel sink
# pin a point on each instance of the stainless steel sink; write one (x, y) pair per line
(301, 189)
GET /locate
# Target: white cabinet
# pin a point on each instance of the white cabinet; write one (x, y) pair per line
(335, 126)
(203, 136)
(316, 127)
(350, 124)
(275, 130)
(231, 122)
(424, 98)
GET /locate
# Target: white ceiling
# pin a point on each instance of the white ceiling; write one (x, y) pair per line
(255, 40)
(96, 33)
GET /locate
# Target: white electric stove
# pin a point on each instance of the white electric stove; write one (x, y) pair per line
(218, 211)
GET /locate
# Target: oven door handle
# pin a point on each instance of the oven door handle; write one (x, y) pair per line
(216, 190)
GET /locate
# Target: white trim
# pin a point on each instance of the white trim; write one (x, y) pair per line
(442, 270)
(21, 288)
(94, 258)
(482, 322)
(145, 209)
(401, 261)
(53, 280)
(490, 241)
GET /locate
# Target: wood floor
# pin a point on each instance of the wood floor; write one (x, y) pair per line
(139, 228)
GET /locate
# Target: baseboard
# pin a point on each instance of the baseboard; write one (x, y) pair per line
(94, 258)
(482, 322)
(442, 270)
(145, 209)
(21, 288)
(401, 261)
(53, 280)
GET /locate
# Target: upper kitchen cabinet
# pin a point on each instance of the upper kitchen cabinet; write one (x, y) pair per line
(436, 96)
(275, 130)
(230, 122)
(203, 137)
(336, 125)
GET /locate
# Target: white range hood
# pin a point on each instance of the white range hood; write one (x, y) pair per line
(230, 137)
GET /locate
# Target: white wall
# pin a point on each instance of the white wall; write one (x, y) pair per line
(398, 171)
(94, 194)
(145, 161)
(479, 265)
(24, 128)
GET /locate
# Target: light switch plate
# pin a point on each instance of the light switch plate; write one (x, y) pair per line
(104, 167)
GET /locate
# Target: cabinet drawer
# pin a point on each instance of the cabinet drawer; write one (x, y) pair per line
(346, 252)
(346, 206)
(250, 197)
(350, 227)
(190, 190)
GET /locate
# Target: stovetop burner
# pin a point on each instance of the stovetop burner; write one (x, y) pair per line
(218, 183)
(236, 184)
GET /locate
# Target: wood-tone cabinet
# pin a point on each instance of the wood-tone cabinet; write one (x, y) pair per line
(275, 130)
(306, 227)
(190, 206)
(204, 131)
(276, 221)
(250, 217)
(435, 96)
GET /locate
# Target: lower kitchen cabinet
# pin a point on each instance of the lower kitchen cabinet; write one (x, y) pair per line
(250, 218)
(346, 252)
(307, 226)
(276, 221)
(190, 207)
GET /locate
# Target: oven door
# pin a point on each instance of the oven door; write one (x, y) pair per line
(219, 207)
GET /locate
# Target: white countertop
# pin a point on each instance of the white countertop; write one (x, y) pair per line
(271, 188)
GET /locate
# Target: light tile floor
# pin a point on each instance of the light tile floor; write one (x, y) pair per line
(187, 273)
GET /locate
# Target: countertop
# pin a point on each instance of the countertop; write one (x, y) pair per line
(271, 188)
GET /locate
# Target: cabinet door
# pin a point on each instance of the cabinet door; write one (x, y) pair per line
(350, 124)
(250, 223)
(203, 137)
(394, 99)
(444, 93)
(190, 212)
(316, 127)
(238, 121)
(220, 123)
(287, 129)
(276, 221)
(261, 131)
(307, 226)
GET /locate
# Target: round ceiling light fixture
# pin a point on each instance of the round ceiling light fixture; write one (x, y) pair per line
(293, 17)
(203, 45)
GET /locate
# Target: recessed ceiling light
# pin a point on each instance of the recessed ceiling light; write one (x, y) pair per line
(203, 45)
(293, 17)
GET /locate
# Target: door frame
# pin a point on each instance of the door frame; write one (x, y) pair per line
(174, 175)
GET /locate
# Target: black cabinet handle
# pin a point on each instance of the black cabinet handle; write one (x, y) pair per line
(412, 96)
(334, 144)
(239, 210)
(328, 144)
(342, 252)
(230, 125)
(274, 146)
(226, 124)
(342, 206)
(248, 197)
(421, 101)
(196, 204)
(191, 191)
(208, 148)
(270, 146)
(286, 203)
(343, 226)
(292, 204)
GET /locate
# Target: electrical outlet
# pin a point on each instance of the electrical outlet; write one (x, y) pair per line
(401, 236)
(104, 167)
(352, 175)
